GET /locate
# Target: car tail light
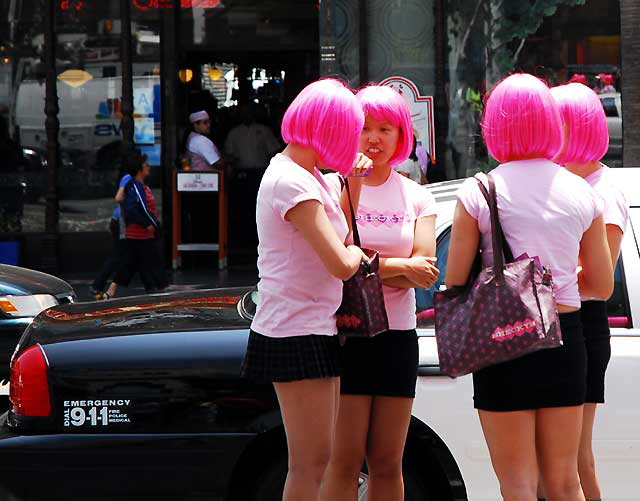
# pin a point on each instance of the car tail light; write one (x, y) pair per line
(29, 387)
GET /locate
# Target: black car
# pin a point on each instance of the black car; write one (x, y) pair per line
(142, 397)
(23, 294)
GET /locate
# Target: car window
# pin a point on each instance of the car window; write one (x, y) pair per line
(424, 297)
(609, 105)
(618, 306)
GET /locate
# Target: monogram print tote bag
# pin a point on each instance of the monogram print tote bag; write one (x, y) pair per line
(507, 311)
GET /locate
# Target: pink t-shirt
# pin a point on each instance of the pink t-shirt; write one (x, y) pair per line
(544, 211)
(386, 222)
(297, 295)
(616, 210)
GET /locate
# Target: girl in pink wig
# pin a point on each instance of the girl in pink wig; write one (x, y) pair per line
(531, 408)
(302, 261)
(586, 142)
(396, 216)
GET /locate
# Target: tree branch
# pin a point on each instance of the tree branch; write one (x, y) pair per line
(463, 43)
(518, 50)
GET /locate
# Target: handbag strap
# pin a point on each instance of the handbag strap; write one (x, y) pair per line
(501, 249)
(354, 227)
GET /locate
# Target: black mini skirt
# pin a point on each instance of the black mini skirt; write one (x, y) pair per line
(384, 365)
(294, 358)
(597, 338)
(554, 377)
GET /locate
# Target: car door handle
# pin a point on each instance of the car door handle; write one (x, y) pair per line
(430, 370)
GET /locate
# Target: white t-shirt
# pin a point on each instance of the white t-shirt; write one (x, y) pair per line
(411, 168)
(297, 294)
(616, 209)
(544, 211)
(203, 152)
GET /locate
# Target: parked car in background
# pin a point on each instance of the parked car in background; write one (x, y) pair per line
(24, 294)
(142, 396)
(612, 104)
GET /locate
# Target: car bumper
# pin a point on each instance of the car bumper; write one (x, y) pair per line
(171, 466)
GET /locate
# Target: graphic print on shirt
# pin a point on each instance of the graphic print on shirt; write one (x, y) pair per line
(376, 218)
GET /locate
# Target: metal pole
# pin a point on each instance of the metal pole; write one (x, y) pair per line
(170, 57)
(52, 125)
(127, 124)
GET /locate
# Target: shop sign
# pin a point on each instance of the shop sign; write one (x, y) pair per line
(421, 108)
(149, 4)
(197, 181)
(168, 4)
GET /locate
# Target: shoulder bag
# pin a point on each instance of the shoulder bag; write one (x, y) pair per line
(507, 311)
(362, 312)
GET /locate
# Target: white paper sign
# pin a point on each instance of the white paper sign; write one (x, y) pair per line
(421, 108)
(197, 181)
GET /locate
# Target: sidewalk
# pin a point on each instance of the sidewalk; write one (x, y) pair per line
(180, 280)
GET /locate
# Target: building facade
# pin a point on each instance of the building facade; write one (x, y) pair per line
(82, 81)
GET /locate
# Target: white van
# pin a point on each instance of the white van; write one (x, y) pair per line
(90, 112)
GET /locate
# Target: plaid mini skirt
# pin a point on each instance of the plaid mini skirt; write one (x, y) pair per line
(294, 358)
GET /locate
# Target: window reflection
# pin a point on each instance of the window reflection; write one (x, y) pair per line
(490, 39)
(424, 297)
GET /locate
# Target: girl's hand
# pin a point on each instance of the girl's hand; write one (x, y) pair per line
(422, 271)
(362, 166)
(359, 252)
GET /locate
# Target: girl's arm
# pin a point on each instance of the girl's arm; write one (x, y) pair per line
(596, 278)
(614, 239)
(463, 247)
(419, 270)
(311, 220)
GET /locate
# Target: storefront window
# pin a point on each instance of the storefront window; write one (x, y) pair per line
(558, 40)
(89, 68)
(23, 180)
(147, 95)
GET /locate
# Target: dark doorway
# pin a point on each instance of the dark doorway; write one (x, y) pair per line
(246, 66)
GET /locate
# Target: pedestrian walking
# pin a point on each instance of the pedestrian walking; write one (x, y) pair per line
(140, 226)
(531, 408)
(586, 142)
(302, 260)
(396, 216)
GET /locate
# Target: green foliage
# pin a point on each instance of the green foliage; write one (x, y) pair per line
(523, 18)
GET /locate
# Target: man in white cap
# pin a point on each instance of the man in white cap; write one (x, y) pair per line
(202, 152)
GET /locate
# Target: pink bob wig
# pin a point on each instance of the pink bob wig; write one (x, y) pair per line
(586, 133)
(327, 118)
(521, 120)
(385, 104)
